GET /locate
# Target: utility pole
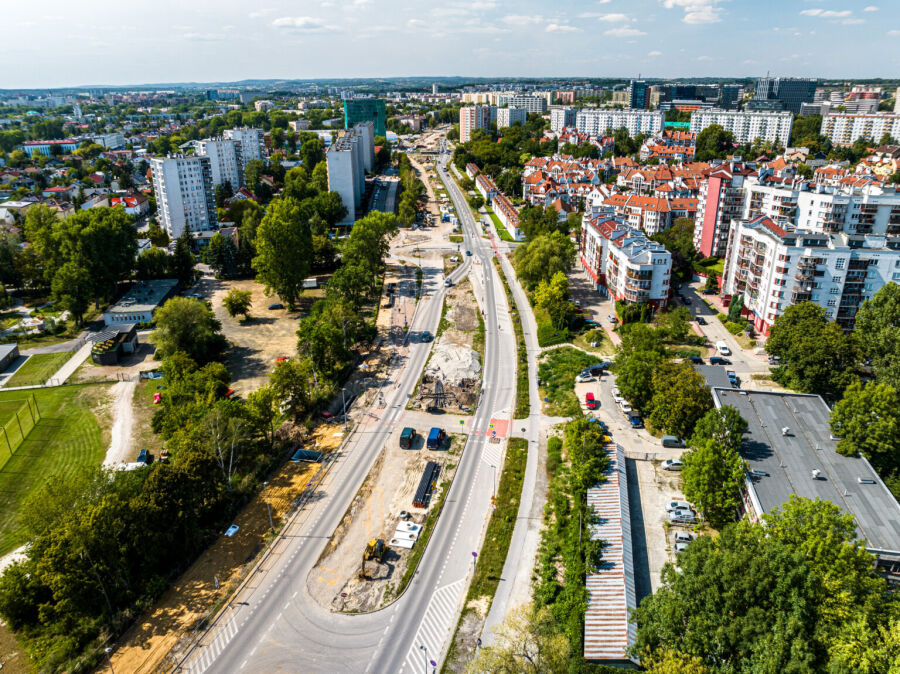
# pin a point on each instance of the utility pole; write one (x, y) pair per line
(268, 508)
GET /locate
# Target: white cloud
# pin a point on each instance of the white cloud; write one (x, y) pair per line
(624, 32)
(415, 23)
(655, 53)
(871, 8)
(696, 11)
(561, 28)
(522, 19)
(704, 58)
(306, 24)
(360, 3)
(612, 18)
(894, 33)
(203, 37)
(259, 13)
(827, 13)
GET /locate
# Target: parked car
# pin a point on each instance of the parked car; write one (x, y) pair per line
(680, 547)
(612, 319)
(718, 360)
(597, 368)
(469, 253)
(686, 300)
(722, 348)
(672, 464)
(683, 537)
(426, 336)
(602, 424)
(635, 420)
(683, 517)
(277, 305)
(145, 457)
(732, 377)
(708, 291)
(677, 505)
(672, 441)
(407, 437)
(626, 408)
(701, 320)
(697, 360)
(582, 378)
(589, 400)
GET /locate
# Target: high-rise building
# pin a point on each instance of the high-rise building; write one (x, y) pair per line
(366, 110)
(226, 160)
(790, 91)
(253, 142)
(562, 118)
(637, 95)
(434, 88)
(746, 126)
(184, 193)
(897, 102)
(347, 159)
(721, 200)
(596, 122)
(536, 104)
(509, 116)
(471, 118)
(845, 129)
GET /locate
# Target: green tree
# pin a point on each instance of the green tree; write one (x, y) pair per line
(712, 479)
(735, 308)
(553, 297)
(183, 259)
(153, 263)
(284, 250)
(867, 419)
(528, 642)
(675, 324)
(679, 241)
(542, 257)
(294, 384)
(263, 412)
(680, 398)
(237, 302)
(724, 425)
(713, 142)
(319, 178)
(189, 326)
(72, 287)
(878, 333)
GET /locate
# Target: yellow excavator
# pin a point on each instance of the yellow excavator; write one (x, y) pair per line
(375, 549)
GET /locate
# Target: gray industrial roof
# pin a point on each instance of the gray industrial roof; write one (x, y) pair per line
(714, 375)
(782, 465)
(145, 296)
(6, 349)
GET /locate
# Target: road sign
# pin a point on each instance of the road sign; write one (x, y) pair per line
(493, 432)
(462, 422)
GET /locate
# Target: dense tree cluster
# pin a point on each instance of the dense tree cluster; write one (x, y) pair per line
(542, 257)
(411, 190)
(494, 154)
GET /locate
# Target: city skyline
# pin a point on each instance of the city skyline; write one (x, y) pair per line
(373, 38)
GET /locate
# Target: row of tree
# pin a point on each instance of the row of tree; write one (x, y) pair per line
(411, 189)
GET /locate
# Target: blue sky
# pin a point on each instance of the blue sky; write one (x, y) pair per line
(69, 43)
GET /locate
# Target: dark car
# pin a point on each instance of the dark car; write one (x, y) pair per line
(426, 336)
(718, 360)
(686, 300)
(707, 291)
(701, 320)
(697, 360)
(277, 305)
(469, 253)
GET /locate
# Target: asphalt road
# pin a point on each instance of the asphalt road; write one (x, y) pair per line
(274, 624)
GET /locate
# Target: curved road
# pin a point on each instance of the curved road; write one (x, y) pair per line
(273, 624)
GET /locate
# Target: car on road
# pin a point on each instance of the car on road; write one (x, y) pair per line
(672, 464)
(426, 336)
(448, 283)
(677, 505)
(612, 319)
(589, 401)
(617, 397)
(469, 253)
(277, 305)
(701, 320)
(683, 517)
(732, 377)
(708, 291)
(722, 348)
(626, 407)
(718, 360)
(584, 378)
(635, 419)
(672, 441)
(686, 300)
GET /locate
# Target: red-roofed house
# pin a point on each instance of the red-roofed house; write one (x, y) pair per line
(134, 204)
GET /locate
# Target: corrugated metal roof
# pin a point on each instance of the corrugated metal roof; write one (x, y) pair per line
(611, 594)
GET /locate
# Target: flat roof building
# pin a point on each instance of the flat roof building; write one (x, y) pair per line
(789, 450)
(140, 303)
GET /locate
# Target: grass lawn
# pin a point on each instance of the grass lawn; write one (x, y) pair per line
(38, 369)
(456, 238)
(557, 372)
(597, 336)
(67, 438)
(501, 230)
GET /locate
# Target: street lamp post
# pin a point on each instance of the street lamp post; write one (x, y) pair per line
(344, 405)
(422, 648)
(268, 508)
(108, 650)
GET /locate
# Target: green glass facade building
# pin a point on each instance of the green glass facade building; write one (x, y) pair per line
(366, 110)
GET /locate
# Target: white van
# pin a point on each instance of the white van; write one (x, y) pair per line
(723, 349)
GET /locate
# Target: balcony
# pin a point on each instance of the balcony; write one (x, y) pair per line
(800, 297)
(802, 276)
(637, 285)
(639, 275)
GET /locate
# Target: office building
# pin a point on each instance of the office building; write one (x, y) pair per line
(253, 142)
(347, 159)
(791, 92)
(598, 122)
(509, 116)
(366, 110)
(746, 126)
(226, 162)
(472, 118)
(183, 188)
(637, 95)
(845, 129)
(562, 118)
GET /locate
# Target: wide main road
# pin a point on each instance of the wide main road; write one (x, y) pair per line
(273, 623)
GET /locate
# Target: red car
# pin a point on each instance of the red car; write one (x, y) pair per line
(589, 400)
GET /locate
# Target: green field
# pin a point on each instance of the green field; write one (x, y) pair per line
(17, 418)
(38, 369)
(501, 230)
(66, 438)
(557, 371)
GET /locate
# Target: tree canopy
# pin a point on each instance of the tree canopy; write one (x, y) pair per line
(878, 333)
(283, 250)
(187, 325)
(542, 257)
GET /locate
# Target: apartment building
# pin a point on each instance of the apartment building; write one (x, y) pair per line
(537, 104)
(348, 158)
(746, 126)
(623, 263)
(845, 129)
(721, 201)
(226, 160)
(472, 118)
(111, 141)
(253, 142)
(650, 215)
(509, 116)
(562, 118)
(486, 187)
(597, 122)
(183, 188)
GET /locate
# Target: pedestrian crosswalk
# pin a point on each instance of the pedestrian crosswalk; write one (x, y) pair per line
(212, 650)
(491, 454)
(436, 628)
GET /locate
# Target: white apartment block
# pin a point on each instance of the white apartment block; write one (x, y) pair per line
(536, 104)
(562, 118)
(471, 118)
(622, 262)
(597, 122)
(509, 116)
(184, 193)
(225, 160)
(746, 126)
(111, 141)
(347, 159)
(253, 142)
(845, 129)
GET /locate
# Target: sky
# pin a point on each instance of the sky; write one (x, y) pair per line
(61, 43)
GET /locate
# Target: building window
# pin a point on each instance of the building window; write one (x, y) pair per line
(831, 303)
(839, 263)
(835, 291)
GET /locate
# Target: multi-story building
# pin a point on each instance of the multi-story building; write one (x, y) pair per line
(183, 188)
(791, 92)
(366, 110)
(746, 126)
(637, 95)
(263, 106)
(348, 158)
(253, 142)
(897, 102)
(597, 122)
(509, 116)
(537, 104)
(623, 263)
(471, 118)
(225, 160)
(845, 129)
(111, 141)
(508, 215)
(562, 118)
(486, 187)
(651, 215)
(721, 200)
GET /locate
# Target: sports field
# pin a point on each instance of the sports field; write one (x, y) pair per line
(66, 438)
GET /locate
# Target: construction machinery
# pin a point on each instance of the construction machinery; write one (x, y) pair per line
(375, 550)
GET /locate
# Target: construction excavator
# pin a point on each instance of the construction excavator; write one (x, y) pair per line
(375, 549)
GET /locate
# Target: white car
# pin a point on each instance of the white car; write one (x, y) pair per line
(680, 547)
(683, 537)
(626, 408)
(672, 464)
(584, 378)
(677, 505)
(682, 517)
(616, 395)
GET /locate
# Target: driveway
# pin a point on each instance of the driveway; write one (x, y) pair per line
(581, 288)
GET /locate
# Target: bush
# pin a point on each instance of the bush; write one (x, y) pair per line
(722, 318)
(752, 343)
(734, 328)
(549, 336)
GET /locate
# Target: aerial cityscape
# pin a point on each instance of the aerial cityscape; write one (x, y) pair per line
(580, 354)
